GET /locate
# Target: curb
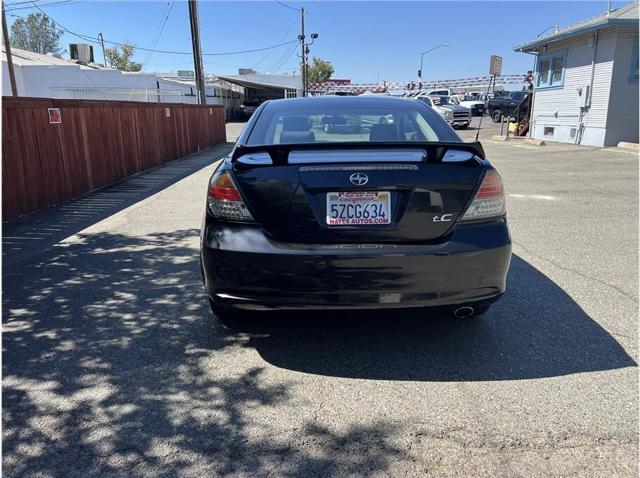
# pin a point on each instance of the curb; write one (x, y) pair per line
(627, 145)
(535, 142)
(497, 137)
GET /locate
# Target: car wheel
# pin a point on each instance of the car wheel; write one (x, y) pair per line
(464, 126)
(496, 116)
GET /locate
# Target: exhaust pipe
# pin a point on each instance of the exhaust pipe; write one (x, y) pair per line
(464, 312)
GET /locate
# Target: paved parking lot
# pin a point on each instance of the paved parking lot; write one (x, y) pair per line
(113, 363)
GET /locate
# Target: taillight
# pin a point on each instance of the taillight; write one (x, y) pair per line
(224, 200)
(489, 200)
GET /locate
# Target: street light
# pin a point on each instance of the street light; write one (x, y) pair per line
(424, 53)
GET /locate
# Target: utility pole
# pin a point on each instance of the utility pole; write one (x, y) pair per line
(303, 66)
(104, 56)
(7, 46)
(197, 51)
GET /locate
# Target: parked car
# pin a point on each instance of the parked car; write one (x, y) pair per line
(484, 97)
(454, 114)
(512, 103)
(476, 106)
(247, 108)
(403, 214)
(440, 92)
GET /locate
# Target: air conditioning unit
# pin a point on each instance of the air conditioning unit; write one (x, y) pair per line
(81, 52)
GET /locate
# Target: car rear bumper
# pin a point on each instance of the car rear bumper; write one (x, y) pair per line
(243, 268)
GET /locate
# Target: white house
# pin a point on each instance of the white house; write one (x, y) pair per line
(586, 80)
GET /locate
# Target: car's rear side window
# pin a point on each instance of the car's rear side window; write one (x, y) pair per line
(316, 121)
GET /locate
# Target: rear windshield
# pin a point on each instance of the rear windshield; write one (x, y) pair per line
(311, 121)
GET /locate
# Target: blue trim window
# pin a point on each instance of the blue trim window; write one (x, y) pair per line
(633, 74)
(551, 68)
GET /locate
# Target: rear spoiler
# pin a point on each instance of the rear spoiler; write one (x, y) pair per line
(279, 153)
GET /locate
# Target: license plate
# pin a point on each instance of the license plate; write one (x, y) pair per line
(358, 208)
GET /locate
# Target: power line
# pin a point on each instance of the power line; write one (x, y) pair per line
(154, 42)
(19, 3)
(156, 38)
(252, 51)
(287, 6)
(282, 38)
(291, 51)
(51, 4)
(166, 52)
(279, 59)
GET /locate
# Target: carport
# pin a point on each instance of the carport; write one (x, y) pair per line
(260, 88)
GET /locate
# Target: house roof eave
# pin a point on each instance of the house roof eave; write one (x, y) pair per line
(530, 47)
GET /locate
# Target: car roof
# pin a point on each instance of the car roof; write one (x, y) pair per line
(338, 101)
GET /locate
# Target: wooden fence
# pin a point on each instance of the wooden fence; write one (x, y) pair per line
(95, 144)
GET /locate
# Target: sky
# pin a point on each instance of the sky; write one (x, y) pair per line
(365, 41)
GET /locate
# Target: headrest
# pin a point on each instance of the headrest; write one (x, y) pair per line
(383, 132)
(297, 137)
(336, 120)
(296, 123)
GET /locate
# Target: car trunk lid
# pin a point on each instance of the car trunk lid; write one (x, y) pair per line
(290, 190)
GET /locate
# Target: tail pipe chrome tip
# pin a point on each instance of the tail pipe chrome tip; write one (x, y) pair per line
(464, 312)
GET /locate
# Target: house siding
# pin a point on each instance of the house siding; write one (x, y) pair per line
(622, 117)
(558, 108)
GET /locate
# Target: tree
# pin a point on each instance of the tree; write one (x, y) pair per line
(36, 33)
(121, 60)
(319, 71)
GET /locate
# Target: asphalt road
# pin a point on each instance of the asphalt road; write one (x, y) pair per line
(114, 365)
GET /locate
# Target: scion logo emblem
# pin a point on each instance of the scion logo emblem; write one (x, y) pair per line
(359, 179)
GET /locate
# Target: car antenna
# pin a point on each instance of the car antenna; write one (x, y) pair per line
(492, 79)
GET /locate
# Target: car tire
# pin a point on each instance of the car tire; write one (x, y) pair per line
(496, 116)
(464, 126)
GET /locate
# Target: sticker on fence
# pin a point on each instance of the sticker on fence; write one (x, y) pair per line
(54, 116)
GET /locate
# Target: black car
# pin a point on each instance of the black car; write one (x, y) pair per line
(247, 108)
(400, 213)
(512, 103)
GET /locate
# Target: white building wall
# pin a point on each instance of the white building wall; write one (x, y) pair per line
(622, 117)
(558, 108)
(58, 81)
(73, 82)
(6, 82)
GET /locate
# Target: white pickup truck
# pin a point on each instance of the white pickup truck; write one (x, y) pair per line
(454, 114)
(476, 106)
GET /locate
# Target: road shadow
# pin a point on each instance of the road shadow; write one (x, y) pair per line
(114, 365)
(29, 235)
(535, 331)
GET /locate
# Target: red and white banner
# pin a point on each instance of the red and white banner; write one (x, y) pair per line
(471, 82)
